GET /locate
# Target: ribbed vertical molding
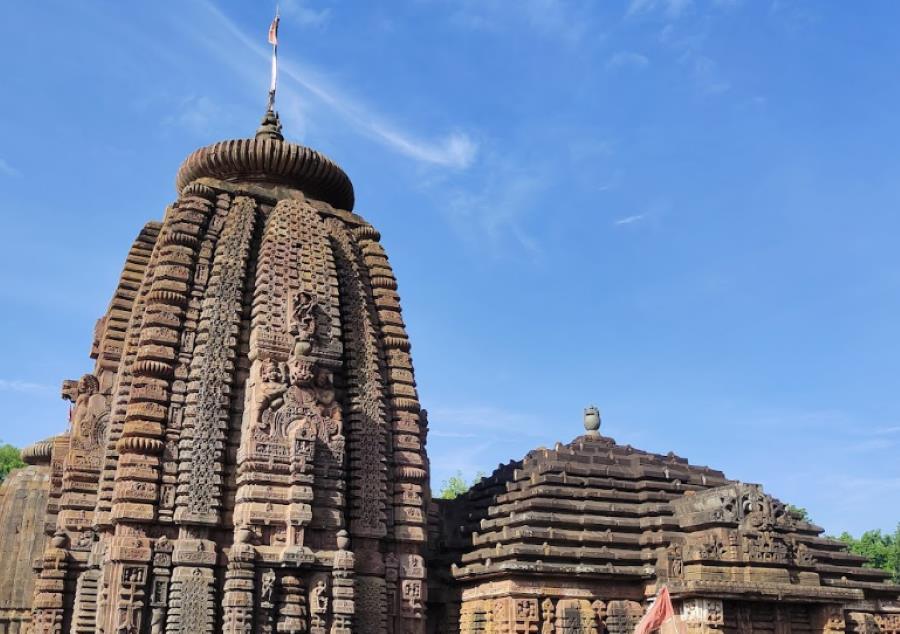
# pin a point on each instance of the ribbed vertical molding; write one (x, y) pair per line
(263, 460)
(79, 464)
(201, 451)
(136, 490)
(367, 438)
(206, 421)
(179, 391)
(409, 474)
(122, 391)
(91, 426)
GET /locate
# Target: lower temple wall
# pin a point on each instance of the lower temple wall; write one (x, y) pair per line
(600, 614)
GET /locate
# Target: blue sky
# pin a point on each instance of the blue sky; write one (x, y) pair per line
(684, 211)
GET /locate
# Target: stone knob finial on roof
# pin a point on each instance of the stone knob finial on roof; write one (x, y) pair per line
(592, 421)
(270, 127)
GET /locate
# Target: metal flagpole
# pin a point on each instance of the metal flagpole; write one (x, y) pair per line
(273, 40)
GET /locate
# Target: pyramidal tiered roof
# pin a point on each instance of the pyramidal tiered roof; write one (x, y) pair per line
(591, 507)
(597, 528)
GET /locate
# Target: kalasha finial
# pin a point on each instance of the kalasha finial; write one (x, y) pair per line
(270, 127)
(592, 421)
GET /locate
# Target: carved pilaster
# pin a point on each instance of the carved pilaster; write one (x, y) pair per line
(48, 608)
(292, 609)
(192, 591)
(126, 579)
(703, 616)
(161, 575)
(342, 592)
(239, 587)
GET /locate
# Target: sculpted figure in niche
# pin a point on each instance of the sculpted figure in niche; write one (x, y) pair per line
(271, 388)
(548, 611)
(89, 414)
(157, 621)
(304, 322)
(268, 586)
(318, 603)
(676, 562)
(331, 410)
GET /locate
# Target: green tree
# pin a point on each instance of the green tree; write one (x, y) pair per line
(799, 512)
(456, 485)
(10, 459)
(882, 550)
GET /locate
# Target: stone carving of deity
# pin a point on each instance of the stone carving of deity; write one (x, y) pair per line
(331, 410)
(89, 414)
(318, 603)
(304, 322)
(268, 586)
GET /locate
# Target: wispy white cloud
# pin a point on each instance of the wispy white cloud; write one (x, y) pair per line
(492, 210)
(456, 150)
(687, 45)
(299, 12)
(670, 8)
(628, 220)
(556, 19)
(707, 75)
(8, 170)
(24, 387)
(196, 114)
(627, 59)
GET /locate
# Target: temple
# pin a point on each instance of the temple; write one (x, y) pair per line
(248, 456)
(580, 538)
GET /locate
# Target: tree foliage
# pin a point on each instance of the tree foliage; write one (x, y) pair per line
(10, 459)
(799, 512)
(881, 549)
(456, 485)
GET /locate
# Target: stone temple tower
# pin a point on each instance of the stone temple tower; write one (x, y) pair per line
(248, 455)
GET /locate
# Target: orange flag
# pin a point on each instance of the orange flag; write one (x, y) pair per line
(273, 31)
(661, 616)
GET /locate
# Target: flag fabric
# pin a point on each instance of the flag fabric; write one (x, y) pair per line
(273, 40)
(661, 616)
(273, 31)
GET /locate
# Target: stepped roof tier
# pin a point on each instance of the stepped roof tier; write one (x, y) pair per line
(593, 522)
